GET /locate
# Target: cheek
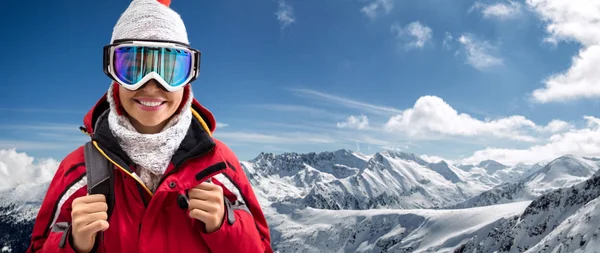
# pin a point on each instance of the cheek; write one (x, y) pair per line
(177, 98)
(125, 98)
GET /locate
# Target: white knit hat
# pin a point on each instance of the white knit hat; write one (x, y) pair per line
(150, 19)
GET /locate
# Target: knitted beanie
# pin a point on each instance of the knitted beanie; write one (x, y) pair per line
(150, 19)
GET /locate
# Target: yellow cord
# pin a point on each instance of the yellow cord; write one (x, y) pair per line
(124, 170)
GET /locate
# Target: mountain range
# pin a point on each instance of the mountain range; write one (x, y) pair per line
(345, 201)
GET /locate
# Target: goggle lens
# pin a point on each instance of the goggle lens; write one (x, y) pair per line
(132, 63)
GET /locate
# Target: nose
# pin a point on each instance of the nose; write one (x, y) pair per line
(152, 86)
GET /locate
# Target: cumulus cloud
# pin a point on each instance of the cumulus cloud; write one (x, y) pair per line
(355, 122)
(19, 168)
(285, 14)
(556, 126)
(479, 53)
(500, 10)
(582, 142)
(572, 21)
(431, 115)
(413, 35)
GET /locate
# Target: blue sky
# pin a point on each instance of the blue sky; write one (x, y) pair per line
(463, 80)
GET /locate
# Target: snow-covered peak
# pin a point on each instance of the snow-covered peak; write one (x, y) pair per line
(491, 166)
(403, 155)
(25, 198)
(444, 169)
(562, 172)
(339, 163)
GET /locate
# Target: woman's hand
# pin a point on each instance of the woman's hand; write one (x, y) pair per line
(88, 217)
(206, 204)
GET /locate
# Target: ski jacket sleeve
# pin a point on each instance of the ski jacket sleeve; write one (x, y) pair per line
(244, 227)
(52, 226)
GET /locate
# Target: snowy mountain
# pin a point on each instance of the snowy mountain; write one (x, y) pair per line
(492, 166)
(344, 201)
(564, 220)
(18, 208)
(347, 180)
(25, 200)
(494, 173)
(564, 171)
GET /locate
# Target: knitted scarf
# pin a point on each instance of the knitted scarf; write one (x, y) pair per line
(150, 152)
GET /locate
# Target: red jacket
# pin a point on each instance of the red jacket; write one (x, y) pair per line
(142, 221)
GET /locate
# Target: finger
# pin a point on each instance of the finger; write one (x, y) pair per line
(207, 186)
(85, 209)
(201, 215)
(94, 227)
(92, 198)
(196, 193)
(90, 218)
(96, 207)
(209, 207)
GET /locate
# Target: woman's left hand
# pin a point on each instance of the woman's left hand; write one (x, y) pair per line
(206, 204)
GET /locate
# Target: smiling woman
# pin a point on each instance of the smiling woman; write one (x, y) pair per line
(168, 176)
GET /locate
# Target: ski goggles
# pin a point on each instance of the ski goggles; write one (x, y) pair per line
(132, 63)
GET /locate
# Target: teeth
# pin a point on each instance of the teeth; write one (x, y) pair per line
(152, 104)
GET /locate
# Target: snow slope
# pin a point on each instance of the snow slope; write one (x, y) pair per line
(318, 230)
(548, 223)
(577, 234)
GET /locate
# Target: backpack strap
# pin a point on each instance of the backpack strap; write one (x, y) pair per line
(100, 177)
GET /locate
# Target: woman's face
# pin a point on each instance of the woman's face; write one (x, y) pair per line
(150, 107)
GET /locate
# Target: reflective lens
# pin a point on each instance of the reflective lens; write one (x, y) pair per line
(133, 63)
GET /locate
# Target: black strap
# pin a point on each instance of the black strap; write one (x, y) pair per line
(100, 179)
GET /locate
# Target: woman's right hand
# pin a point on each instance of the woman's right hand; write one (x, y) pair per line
(88, 216)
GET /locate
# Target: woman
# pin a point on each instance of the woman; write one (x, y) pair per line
(159, 142)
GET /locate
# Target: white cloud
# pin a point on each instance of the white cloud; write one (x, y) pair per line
(377, 8)
(376, 109)
(479, 53)
(434, 159)
(279, 138)
(572, 20)
(222, 125)
(505, 10)
(431, 115)
(582, 142)
(556, 126)
(18, 168)
(582, 80)
(355, 122)
(413, 35)
(447, 43)
(285, 14)
(300, 109)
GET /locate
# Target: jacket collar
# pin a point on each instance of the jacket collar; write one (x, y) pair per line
(196, 142)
